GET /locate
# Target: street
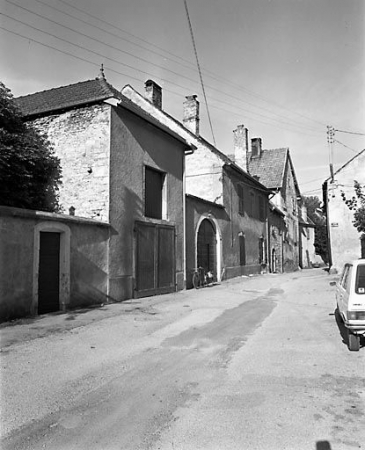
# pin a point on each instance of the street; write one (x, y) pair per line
(256, 363)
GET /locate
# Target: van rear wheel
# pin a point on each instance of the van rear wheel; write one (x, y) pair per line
(353, 342)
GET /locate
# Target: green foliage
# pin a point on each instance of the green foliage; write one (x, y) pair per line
(315, 213)
(357, 204)
(29, 171)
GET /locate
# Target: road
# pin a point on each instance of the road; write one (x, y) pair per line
(253, 363)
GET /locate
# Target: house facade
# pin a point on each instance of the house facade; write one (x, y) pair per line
(307, 255)
(122, 167)
(227, 209)
(274, 169)
(343, 238)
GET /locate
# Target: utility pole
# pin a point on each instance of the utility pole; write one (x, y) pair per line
(330, 141)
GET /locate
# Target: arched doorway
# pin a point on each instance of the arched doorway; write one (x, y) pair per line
(207, 247)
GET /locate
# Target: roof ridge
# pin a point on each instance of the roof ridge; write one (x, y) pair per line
(56, 88)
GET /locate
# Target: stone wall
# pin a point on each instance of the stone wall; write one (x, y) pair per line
(81, 139)
(83, 260)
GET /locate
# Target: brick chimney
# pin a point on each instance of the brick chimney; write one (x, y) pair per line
(191, 114)
(153, 93)
(256, 147)
(240, 141)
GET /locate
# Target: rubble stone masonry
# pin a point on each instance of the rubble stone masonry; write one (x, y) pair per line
(81, 139)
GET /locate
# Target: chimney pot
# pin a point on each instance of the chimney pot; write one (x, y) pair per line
(153, 93)
(256, 147)
(191, 114)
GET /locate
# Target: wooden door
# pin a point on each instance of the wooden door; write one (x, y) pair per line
(49, 273)
(155, 259)
(206, 251)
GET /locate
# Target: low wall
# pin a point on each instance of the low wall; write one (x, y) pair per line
(84, 265)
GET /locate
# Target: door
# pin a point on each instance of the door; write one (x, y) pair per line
(273, 261)
(155, 259)
(206, 251)
(49, 273)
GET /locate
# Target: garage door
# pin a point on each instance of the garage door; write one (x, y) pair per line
(155, 259)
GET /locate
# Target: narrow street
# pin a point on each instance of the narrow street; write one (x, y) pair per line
(256, 363)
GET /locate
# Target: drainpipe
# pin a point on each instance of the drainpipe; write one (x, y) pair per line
(184, 222)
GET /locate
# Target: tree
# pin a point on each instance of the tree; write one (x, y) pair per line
(318, 217)
(30, 173)
(357, 204)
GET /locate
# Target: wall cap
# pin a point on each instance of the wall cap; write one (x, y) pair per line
(43, 215)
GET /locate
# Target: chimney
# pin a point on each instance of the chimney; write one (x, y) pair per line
(256, 147)
(153, 93)
(191, 114)
(240, 141)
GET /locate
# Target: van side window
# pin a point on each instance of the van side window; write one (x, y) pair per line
(347, 278)
(344, 276)
(360, 280)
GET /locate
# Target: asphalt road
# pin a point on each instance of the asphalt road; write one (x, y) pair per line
(253, 363)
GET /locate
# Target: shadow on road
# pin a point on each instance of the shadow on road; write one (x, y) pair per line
(323, 445)
(343, 330)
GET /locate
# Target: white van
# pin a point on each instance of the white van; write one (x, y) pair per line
(350, 298)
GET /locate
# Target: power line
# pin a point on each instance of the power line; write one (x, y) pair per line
(214, 76)
(352, 149)
(199, 70)
(149, 62)
(350, 132)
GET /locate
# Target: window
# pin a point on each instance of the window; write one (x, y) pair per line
(155, 192)
(261, 208)
(252, 203)
(241, 204)
(346, 279)
(360, 280)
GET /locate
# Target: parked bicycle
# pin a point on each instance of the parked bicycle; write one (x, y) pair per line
(202, 278)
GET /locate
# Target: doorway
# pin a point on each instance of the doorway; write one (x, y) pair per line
(49, 273)
(206, 247)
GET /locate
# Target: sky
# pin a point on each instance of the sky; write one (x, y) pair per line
(286, 69)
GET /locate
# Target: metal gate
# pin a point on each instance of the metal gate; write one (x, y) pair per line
(207, 245)
(155, 259)
(49, 273)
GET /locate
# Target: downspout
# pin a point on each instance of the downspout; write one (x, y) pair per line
(189, 151)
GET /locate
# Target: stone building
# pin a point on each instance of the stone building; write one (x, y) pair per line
(343, 238)
(275, 170)
(123, 167)
(227, 209)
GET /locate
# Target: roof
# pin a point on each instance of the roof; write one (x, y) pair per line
(269, 167)
(157, 111)
(81, 94)
(66, 97)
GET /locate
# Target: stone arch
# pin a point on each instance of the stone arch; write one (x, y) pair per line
(216, 234)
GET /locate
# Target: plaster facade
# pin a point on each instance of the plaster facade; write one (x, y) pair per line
(344, 239)
(83, 260)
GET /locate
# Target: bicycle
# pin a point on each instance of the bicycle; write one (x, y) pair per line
(201, 279)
